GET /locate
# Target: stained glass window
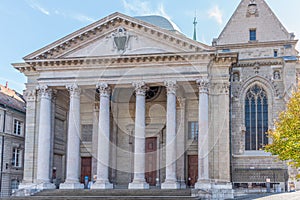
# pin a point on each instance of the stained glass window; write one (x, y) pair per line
(256, 118)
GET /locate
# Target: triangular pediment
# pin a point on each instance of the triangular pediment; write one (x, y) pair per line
(253, 15)
(118, 34)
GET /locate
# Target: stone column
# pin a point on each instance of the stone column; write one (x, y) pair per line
(28, 174)
(95, 140)
(203, 138)
(181, 122)
(73, 149)
(139, 138)
(44, 139)
(102, 181)
(171, 151)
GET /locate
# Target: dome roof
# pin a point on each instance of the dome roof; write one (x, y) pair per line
(159, 21)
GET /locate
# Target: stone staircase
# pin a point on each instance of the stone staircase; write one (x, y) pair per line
(122, 194)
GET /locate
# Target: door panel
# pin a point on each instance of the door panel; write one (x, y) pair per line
(86, 168)
(192, 170)
(151, 156)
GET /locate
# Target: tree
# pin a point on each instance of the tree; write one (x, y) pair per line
(286, 136)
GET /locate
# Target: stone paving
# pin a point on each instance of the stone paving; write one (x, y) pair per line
(276, 196)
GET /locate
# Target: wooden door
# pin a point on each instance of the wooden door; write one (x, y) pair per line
(86, 168)
(151, 156)
(192, 170)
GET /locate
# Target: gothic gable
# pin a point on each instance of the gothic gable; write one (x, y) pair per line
(255, 16)
(118, 34)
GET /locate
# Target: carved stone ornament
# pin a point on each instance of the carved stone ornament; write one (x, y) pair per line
(224, 89)
(171, 87)
(276, 75)
(252, 8)
(44, 91)
(181, 101)
(104, 89)
(120, 39)
(203, 85)
(30, 95)
(74, 90)
(140, 88)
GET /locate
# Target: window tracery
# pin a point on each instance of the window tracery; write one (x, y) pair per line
(256, 118)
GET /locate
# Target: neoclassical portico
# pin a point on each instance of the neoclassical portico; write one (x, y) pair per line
(139, 105)
(104, 130)
(101, 93)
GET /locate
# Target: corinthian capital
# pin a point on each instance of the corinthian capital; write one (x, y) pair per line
(171, 87)
(203, 85)
(140, 88)
(30, 94)
(104, 89)
(225, 88)
(44, 91)
(74, 89)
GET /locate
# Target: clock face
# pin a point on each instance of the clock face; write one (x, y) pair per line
(252, 8)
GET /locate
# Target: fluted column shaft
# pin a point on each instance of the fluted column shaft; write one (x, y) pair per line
(73, 145)
(102, 181)
(203, 137)
(139, 140)
(44, 138)
(171, 179)
(30, 96)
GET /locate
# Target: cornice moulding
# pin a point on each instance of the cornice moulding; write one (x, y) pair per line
(116, 19)
(256, 44)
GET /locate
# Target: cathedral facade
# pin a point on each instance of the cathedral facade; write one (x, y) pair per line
(135, 103)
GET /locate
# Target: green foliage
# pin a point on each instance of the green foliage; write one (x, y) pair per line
(286, 136)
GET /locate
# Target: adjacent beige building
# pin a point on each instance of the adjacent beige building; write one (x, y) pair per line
(140, 105)
(12, 134)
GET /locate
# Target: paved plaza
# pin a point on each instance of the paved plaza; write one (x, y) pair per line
(276, 196)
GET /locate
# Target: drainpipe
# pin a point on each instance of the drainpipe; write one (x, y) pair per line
(2, 151)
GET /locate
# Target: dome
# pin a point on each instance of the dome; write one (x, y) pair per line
(159, 21)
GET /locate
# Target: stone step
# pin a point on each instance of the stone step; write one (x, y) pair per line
(101, 198)
(117, 192)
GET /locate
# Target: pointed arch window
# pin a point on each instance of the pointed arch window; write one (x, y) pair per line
(256, 118)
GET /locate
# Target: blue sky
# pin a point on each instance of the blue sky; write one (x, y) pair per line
(28, 25)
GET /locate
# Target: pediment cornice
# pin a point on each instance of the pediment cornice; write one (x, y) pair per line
(120, 61)
(107, 24)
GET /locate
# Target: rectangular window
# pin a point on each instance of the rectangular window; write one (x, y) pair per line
(193, 130)
(275, 53)
(252, 34)
(17, 127)
(14, 184)
(16, 157)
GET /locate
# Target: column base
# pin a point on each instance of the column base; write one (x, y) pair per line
(138, 185)
(102, 185)
(46, 186)
(213, 189)
(28, 189)
(170, 185)
(203, 184)
(67, 185)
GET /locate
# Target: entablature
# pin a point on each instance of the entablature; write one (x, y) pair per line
(121, 61)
